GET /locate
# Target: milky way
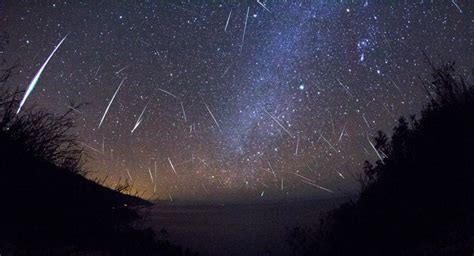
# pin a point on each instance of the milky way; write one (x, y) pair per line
(237, 101)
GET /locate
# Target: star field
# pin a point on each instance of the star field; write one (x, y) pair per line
(233, 100)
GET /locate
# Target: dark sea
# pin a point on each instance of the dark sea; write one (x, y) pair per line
(237, 229)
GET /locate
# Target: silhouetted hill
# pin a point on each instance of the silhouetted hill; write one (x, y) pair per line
(418, 199)
(47, 206)
(44, 206)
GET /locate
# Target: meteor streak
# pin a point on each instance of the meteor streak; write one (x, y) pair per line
(128, 173)
(227, 69)
(74, 109)
(245, 28)
(215, 121)
(303, 177)
(345, 88)
(122, 69)
(140, 119)
(172, 166)
(329, 143)
(35, 79)
(169, 93)
(227, 23)
(365, 120)
(110, 103)
(276, 121)
(457, 5)
(311, 182)
(184, 113)
(376, 151)
(396, 86)
(90, 147)
(340, 174)
(315, 185)
(271, 168)
(97, 70)
(151, 176)
(297, 144)
(264, 7)
(342, 133)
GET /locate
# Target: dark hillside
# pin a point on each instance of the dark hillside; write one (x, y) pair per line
(47, 206)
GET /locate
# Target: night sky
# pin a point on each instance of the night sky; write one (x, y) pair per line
(231, 100)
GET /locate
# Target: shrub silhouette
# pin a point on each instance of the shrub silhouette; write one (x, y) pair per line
(47, 206)
(420, 199)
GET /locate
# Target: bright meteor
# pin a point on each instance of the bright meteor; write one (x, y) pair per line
(110, 103)
(35, 79)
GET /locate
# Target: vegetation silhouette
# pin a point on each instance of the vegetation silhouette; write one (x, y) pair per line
(48, 206)
(418, 199)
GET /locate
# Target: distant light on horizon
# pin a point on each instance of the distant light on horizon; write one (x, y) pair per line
(229, 101)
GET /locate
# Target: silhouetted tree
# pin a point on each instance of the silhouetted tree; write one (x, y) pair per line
(420, 199)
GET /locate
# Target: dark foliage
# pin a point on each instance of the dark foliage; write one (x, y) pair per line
(47, 206)
(420, 199)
